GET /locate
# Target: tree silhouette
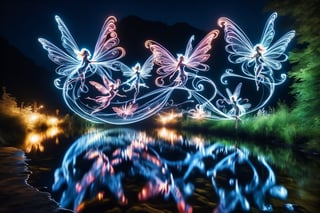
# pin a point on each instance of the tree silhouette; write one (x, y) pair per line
(305, 72)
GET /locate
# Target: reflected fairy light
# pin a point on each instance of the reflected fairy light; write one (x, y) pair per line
(169, 135)
(53, 131)
(34, 117)
(52, 121)
(34, 139)
(37, 125)
(197, 141)
(100, 196)
(111, 156)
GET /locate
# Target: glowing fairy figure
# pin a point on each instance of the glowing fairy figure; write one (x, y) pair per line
(75, 63)
(137, 76)
(174, 75)
(263, 56)
(174, 68)
(109, 90)
(238, 108)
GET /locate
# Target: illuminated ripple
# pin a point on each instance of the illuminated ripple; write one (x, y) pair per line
(125, 169)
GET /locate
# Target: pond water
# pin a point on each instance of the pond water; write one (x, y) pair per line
(164, 170)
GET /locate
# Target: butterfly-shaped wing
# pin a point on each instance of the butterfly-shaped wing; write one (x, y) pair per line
(68, 41)
(275, 53)
(163, 58)
(103, 89)
(268, 31)
(69, 61)
(144, 71)
(235, 95)
(146, 68)
(242, 51)
(195, 58)
(106, 49)
(67, 64)
(239, 46)
(58, 56)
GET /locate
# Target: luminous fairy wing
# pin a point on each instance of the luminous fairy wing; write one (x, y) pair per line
(268, 31)
(194, 59)
(146, 68)
(67, 64)
(103, 89)
(236, 92)
(67, 40)
(106, 49)
(274, 55)
(125, 69)
(239, 46)
(189, 47)
(163, 58)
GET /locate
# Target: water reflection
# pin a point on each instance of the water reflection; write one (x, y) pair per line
(41, 128)
(99, 166)
(169, 135)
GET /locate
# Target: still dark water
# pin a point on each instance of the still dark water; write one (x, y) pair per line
(163, 170)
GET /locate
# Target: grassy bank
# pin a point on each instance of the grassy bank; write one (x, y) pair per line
(280, 126)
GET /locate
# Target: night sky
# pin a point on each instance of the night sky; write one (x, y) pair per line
(22, 22)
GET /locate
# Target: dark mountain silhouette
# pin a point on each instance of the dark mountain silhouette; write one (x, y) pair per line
(134, 31)
(25, 80)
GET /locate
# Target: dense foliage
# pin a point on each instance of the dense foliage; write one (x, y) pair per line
(304, 16)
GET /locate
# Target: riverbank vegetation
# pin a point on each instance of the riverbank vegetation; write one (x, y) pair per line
(278, 125)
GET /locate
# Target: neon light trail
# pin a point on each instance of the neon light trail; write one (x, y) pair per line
(103, 89)
(98, 165)
(262, 57)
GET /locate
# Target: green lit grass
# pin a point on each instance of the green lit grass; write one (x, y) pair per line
(277, 126)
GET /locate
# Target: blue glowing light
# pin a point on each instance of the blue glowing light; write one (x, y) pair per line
(263, 57)
(174, 68)
(76, 64)
(97, 164)
(103, 89)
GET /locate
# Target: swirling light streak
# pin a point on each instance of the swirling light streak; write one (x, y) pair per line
(153, 103)
(76, 64)
(264, 57)
(112, 155)
(103, 89)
